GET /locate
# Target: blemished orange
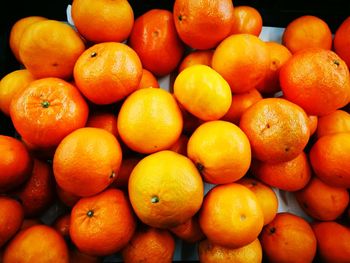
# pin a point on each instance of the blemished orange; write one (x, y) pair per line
(288, 238)
(47, 111)
(313, 124)
(180, 146)
(150, 120)
(76, 256)
(108, 212)
(317, 80)
(107, 72)
(62, 225)
(87, 161)
(165, 189)
(104, 120)
(221, 152)
(307, 31)
(322, 201)
(16, 164)
(195, 57)
(231, 215)
(341, 41)
(17, 30)
(125, 170)
(11, 218)
(150, 244)
(290, 176)
(39, 243)
(190, 231)
(155, 40)
(148, 80)
(267, 198)
(277, 129)
(212, 253)
(330, 159)
(333, 241)
(335, 122)
(115, 17)
(11, 84)
(203, 92)
(50, 48)
(246, 20)
(68, 199)
(200, 29)
(242, 55)
(241, 102)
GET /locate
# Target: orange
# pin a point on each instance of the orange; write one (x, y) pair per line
(231, 215)
(313, 124)
(195, 57)
(11, 218)
(48, 110)
(155, 40)
(200, 28)
(307, 31)
(246, 19)
(317, 80)
(104, 120)
(75, 256)
(50, 48)
(341, 40)
(148, 245)
(148, 80)
(292, 175)
(125, 170)
(242, 55)
(150, 120)
(330, 159)
(335, 122)
(107, 72)
(115, 17)
(190, 122)
(190, 231)
(102, 224)
(211, 253)
(333, 241)
(87, 161)
(321, 201)
(221, 152)
(203, 92)
(278, 130)
(288, 238)
(180, 146)
(68, 199)
(241, 102)
(11, 84)
(15, 164)
(62, 224)
(165, 189)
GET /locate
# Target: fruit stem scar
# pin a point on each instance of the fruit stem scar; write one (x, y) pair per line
(272, 230)
(112, 175)
(45, 104)
(90, 213)
(154, 199)
(336, 62)
(200, 167)
(93, 54)
(180, 17)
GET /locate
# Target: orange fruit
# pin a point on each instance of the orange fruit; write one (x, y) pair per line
(241, 102)
(330, 159)
(209, 252)
(317, 80)
(180, 146)
(341, 41)
(231, 215)
(196, 57)
(242, 55)
(15, 164)
(87, 161)
(11, 218)
(190, 231)
(68, 199)
(115, 17)
(48, 110)
(103, 120)
(307, 31)
(165, 189)
(125, 170)
(278, 130)
(107, 72)
(313, 123)
(199, 28)
(334, 122)
(50, 48)
(62, 224)
(333, 241)
(148, 80)
(149, 244)
(203, 92)
(28, 222)
(322, 201)
(190, 122)
(11, 84)
(155, 40)
(75, 256)
(291, 175)
(221, 152)
(288, 238)
(110, 213)
(246, 20)
(155, 113)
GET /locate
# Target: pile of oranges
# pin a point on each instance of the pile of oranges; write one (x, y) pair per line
(129, 159)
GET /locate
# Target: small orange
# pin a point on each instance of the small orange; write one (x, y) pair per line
(246, 20)
(28, 222)
(75, 256)
(190, 122)
(335, 122)
(103, 119)
(341, 41)
(180, 146)
(195, 57)
(128, 164)
(62, 225)
(148, 80)
(189, 231)
(68, 199)
(313, 123)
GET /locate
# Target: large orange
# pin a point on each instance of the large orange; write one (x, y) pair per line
(190, 231)
(341, 41)
(335, 122)
(102, 224)
(200, 28)
(317, 80)
(242, 55)
(48, 110)
(246, 20)
(195, 57)
(107, 72)
(165, 189)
